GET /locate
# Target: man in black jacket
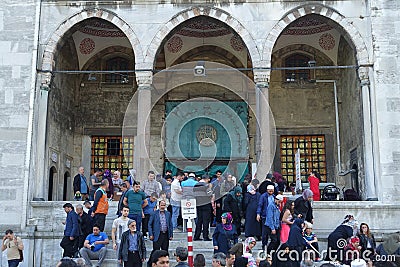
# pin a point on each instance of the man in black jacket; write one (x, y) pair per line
(203, 193)
(132, 255)
(85, 225)
(81, 186)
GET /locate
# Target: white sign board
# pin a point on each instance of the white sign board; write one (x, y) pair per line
(188, 207)
(254, 170)
(298, 171)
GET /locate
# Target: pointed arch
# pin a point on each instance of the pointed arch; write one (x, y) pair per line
(51, 46)
(352, 32)
(193, 12)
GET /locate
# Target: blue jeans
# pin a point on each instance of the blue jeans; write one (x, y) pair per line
(138, 219)
(175, 215)
(13, 263)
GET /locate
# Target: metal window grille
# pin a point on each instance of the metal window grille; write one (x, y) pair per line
(312, 156)
(297, 60)
(116, 64)
(113, 153)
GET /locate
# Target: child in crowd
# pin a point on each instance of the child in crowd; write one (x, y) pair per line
(311, 239)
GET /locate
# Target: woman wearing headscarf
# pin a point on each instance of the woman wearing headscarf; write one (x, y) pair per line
(314, 180)
(232, 204)
(337, 239)
(240, 249)
(224, 236)
(252, 227)
(302, 205)
(282, 258)
(296, 241)
(280, 181)
(110, 191)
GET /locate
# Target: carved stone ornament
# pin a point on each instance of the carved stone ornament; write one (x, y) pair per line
(54, 157)
(206, 135)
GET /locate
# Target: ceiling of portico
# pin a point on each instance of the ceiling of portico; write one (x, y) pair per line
(315, 31)
(188, 40)
(94, 35)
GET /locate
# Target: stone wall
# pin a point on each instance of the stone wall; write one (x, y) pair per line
(386, 96)
(303, 107)
(61, 117)
(17, 35)
(350, 114)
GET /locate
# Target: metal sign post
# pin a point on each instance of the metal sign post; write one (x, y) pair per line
(188, 207)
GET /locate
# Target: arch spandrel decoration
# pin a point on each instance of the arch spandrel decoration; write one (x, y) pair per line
(51, 46)
(211, 12)
(317, 9)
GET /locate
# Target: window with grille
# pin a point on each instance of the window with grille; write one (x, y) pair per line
(312, 156)
(297, 60)
(116, 64)
(113, 153)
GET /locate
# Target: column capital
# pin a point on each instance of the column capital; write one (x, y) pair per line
(45, 80)
(363, 74)
(144, 78)
(261, 78)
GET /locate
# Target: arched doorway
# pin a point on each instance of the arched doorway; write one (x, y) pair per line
(66, 186)
(202, 40)
(52, 183)
(92, 84)
(317, 102)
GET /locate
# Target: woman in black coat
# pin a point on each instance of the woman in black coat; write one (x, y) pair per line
(251, 226)
(224, 236)
(233, 205)
(282, 258)
(367, 242)
(302, 205)
(296, 241)
(337, 240)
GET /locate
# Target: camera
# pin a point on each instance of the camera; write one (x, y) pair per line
(199, 69)
(92, 247)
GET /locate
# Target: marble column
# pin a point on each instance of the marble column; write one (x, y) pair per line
(369, 160)
(39, 190)
(142, 139)
(263, 136)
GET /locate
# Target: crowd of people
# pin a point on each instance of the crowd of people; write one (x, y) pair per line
(257, 211)
(242, 213)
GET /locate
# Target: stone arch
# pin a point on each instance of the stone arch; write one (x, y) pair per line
(193, 12)
(327, 12)
(51, 46)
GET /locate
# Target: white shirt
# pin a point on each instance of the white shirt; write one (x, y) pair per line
(175, 185)
(121, 225)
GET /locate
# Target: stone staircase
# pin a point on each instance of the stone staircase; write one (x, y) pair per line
(179, 240)
(49, 232)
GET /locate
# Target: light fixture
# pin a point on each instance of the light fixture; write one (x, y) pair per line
(92, 77)
(200, 69)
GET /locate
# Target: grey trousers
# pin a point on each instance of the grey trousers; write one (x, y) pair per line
(119, 264)
(88, 255)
